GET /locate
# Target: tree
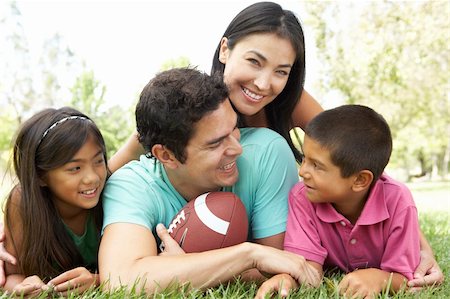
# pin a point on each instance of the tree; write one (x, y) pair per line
(88, 97)
(28, 84)
(393, 57)
(174, 63)
(16, 89)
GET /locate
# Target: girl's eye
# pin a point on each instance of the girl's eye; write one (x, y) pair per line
(74, 169)
(100, 161)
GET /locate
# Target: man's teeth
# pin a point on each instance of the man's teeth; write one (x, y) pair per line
(88, 191)
(251, 94)
(228, 166)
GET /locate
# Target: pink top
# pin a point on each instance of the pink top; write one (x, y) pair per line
(386, 235)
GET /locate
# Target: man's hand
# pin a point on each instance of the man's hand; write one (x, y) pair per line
(78, 279)
(281, 283)
(428, 272)
(29, 287)
(275, 261)
(4, 256)
(171, 247)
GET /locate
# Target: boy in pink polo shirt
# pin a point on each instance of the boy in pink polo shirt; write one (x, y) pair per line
(347, 213)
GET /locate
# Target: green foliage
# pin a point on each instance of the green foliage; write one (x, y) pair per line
(394, 57)
(175, 63)
(115, 125)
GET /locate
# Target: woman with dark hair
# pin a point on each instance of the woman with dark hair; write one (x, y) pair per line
(262, 58)
(54, 215)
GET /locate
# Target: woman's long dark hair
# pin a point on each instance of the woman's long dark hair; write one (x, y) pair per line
(46, 248)
(269, 17)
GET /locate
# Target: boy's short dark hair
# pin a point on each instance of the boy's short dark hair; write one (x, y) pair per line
(357, 137)
(172, 103)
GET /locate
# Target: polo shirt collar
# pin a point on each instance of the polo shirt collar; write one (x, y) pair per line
(374, 211)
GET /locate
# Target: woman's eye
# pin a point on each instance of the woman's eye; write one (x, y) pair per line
(283, 73)
(253, 61)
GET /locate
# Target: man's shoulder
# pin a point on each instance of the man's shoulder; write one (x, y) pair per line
(144, 167)
(258, 136)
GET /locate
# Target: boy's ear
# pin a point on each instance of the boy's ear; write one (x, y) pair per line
(363, 180)
(165, 156)
(223, 50)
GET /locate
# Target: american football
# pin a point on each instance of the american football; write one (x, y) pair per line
(212, 220)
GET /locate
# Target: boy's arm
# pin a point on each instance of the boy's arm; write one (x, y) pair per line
(370, 282)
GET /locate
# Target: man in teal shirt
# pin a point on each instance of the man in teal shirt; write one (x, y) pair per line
(189, 129)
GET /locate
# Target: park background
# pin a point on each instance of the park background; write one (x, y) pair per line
(97, 55)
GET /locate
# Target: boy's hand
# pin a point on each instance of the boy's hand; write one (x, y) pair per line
(365, 283)
(78, 280)
(281, 283)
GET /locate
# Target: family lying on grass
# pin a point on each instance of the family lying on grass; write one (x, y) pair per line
(197, 135)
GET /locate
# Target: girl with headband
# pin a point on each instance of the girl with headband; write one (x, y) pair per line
(54, 214)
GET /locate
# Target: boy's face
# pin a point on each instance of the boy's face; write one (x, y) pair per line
(212, 152)
(322, 178)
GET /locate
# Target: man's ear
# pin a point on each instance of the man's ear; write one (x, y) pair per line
(362, 180)
(223, 50)
(165, 156)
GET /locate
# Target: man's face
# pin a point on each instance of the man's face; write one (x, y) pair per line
(212, 152)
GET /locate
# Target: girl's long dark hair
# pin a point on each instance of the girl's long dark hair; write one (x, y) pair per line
(269, 17)
(46, 249)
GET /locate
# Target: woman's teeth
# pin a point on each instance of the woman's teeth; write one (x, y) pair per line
(252, 95)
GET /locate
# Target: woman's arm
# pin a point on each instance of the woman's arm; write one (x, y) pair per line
(305, 110)
(131, 150)
(428, 272)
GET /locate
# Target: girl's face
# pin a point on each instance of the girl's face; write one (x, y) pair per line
(256, 70)
(77, 185)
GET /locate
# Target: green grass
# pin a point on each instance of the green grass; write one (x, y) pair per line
(435, 225)
(433, 205)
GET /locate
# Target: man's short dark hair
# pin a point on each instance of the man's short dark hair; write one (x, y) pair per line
(172, 103)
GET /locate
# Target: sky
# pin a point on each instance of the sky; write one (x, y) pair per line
(126, 42)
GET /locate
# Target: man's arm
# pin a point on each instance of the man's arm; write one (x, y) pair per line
(128, 256)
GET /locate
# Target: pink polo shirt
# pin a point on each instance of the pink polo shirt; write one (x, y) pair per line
(386, 235)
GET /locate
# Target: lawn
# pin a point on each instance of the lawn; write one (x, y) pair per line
(433, 203)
